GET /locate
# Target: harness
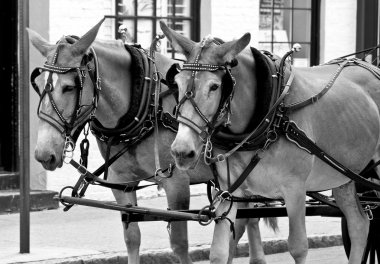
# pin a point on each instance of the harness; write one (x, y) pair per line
(272, 125)
(144, 114)
(228, 87)
(69, 128)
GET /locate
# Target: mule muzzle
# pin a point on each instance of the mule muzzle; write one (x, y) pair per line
(47, 159)
(185, 158)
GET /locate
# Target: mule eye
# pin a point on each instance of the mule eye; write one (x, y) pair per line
(67, 89)
(214, 87)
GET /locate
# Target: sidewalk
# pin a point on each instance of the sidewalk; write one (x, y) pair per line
(91, 235)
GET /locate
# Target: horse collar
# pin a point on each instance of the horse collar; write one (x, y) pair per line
(137, 121)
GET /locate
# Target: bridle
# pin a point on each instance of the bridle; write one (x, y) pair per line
(69, 128)
(228, 87)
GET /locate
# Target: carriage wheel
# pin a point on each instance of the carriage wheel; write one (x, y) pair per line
(372, 250)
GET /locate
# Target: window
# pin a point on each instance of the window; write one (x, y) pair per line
(367, 31)
(286, 22)
(141, 17)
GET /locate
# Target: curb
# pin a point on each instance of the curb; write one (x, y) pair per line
(198, 253)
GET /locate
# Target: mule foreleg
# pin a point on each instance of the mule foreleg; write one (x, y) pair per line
(357, 221)
(239, 231)
(251, 226)
(132, 235)
(132, 238)
(295, 206)
(256, 250)
(219, 251)
(178, 197)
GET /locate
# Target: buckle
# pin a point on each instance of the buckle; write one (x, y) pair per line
(286, 126)
(224, 195)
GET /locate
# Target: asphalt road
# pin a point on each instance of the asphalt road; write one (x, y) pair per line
(330, 255)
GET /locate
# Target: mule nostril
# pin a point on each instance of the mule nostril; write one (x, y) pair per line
(44, 157)
(191, 154)
(174, 153)
(52, 158)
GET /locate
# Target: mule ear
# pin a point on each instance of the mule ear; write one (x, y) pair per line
(41, 44)
(231, 49)
(80, 47)
(179, 42)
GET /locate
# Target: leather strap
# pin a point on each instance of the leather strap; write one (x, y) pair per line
(315, 98)
(252, 164)
(297, 136)
(272, 110)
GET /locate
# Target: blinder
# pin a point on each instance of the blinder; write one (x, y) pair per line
(172, 72)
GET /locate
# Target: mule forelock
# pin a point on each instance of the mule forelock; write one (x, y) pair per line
(207, 41)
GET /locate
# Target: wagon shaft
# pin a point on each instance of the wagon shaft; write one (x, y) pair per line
(149, 213)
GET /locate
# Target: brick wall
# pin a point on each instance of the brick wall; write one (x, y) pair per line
(231, 19)
(338, 28)
(72, 17)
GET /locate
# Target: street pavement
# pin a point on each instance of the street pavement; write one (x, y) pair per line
(92, 233)
(329, 255)
(85, 235)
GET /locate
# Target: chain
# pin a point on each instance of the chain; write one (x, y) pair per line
(84, 147)
(368, 210)
(207, 156)
(68, 149)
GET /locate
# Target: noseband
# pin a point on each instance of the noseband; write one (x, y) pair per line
(71, 127)
(228, 86)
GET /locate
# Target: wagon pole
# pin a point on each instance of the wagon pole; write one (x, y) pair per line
(166, 215)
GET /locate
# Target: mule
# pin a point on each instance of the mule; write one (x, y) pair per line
(116, 70)
(344, 122)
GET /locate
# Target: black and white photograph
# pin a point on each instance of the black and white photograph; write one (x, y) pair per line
(190, 131)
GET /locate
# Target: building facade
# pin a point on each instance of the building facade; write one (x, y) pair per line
(325, 28)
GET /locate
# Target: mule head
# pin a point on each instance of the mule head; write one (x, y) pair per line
(200, 91)
(66, 93)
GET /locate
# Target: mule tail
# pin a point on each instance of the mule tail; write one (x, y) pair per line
(272, 223)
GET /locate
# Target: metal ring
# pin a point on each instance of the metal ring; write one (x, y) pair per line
(272, 135)
(220, 196)
(157, 171)
(189, 94)
(200, 221)
(50, 89)
(68, 150)
(155, 76)
(220, 158)
(60, 196)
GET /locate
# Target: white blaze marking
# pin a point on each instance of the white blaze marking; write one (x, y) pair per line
(184, 134)
(55, 79)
